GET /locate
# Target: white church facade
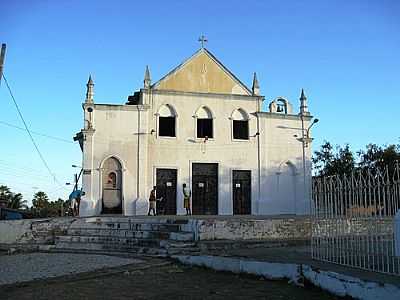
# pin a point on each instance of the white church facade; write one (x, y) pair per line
(198, 125)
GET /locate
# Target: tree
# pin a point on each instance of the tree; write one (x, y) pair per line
(329, 162)
(5, 194)
(375, 156)
(12, 200)
(16, 202)
(40, 200)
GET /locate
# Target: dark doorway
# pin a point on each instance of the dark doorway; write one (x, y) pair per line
(205, 189)
(241, 185)
(166, 188)
(112, 183)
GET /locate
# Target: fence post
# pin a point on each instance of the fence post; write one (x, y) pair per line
(397, 233)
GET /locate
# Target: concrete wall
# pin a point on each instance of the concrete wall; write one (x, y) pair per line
(254, 229)
(116, 134)
(282, 179)
(32, 231)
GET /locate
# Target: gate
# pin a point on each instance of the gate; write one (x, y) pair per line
(353, 221)
(166, 188)
(241, 192)
(205, 189)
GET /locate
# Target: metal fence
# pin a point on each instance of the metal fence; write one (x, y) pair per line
(353, 221)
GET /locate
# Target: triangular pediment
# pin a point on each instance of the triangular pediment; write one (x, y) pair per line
(202, 73)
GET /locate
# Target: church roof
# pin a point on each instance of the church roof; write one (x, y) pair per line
(202, 73)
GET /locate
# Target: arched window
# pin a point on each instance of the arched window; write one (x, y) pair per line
(167, 121)
(204, 123)
(240, 125)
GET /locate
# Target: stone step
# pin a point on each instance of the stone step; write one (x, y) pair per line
(119, 233)
(106, 240)
(132, 226)
(165, 235)
(177, 244)
(104, 248)
(184, 251)
(135, 220)
(111, 248)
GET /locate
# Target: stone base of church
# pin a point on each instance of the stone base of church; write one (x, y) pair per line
(37, 233)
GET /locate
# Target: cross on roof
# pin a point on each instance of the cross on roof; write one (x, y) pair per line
(202, 40)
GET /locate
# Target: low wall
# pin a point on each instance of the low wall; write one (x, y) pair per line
(253, 229)
(32, 231)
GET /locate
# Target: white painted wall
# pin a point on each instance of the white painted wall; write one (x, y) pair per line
(116, 134)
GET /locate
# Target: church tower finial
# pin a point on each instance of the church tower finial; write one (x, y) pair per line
(303, 104)
(147, 78)
(256, 87)
(89, 90)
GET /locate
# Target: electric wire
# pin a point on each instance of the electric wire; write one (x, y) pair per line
(29, 132)
(37, 133)
(13, 165)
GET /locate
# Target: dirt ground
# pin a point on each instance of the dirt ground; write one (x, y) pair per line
(158, 279)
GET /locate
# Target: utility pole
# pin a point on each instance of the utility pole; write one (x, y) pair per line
(2, 56)
(76, 182)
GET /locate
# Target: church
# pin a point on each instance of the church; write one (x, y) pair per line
(201, 126)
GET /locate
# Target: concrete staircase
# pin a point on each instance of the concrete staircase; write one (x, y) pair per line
(154, 236)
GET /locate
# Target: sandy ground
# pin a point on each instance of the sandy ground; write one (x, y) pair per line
(27, 267)
(158, 279)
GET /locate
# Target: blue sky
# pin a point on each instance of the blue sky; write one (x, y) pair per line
(345, 54)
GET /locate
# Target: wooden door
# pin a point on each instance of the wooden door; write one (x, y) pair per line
(205, 189)
(166, 188)
(241, 191)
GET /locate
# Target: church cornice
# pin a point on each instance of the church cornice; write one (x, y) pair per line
(202, 95)
(269, 115)
(141, 107)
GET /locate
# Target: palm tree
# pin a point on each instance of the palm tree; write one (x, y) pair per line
(5, 194)
(40, 200)
(16, 202)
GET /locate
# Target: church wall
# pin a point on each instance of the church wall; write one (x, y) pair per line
(185, 149)
(116, 135)
(282, 172)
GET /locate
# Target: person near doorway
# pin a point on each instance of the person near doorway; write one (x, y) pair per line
(152, 202)
(187, 193)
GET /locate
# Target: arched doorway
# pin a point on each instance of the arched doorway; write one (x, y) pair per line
(112, 187)
(286, 191)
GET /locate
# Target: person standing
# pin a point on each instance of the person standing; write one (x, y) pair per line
(187, 193)
(152, 202)
(75, 199)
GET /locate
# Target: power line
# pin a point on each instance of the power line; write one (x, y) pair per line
(37, 133)
(29, 133)
(13, 165)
